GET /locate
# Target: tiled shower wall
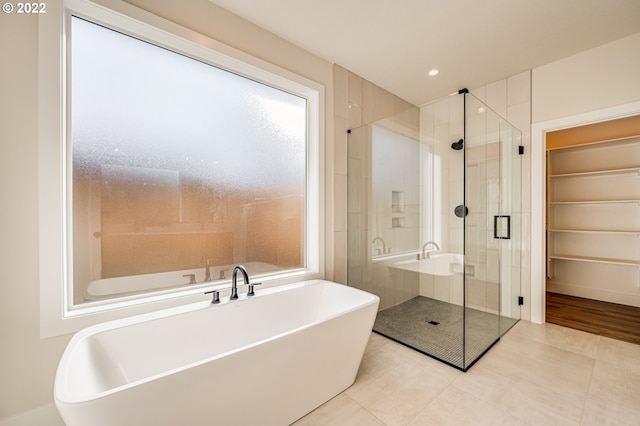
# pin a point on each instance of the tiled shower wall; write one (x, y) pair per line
(511, 98)
(356, 102)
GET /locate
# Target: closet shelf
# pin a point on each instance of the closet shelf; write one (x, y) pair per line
(592, 207)
(635, 170)
(595, 259)
(595, 231)
(560, 203)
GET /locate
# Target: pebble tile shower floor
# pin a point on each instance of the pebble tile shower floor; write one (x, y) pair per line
(436, 328)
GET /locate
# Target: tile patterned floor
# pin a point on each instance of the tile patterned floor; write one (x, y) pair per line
(410, 323)
(536, 375)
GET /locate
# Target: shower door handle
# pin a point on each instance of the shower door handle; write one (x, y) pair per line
(502, 227)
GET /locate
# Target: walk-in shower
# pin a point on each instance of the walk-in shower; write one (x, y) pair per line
(446, 173)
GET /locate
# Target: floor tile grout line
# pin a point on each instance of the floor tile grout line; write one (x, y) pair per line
(430, 402)
(363, 407)
(586, 397)
(506, 376)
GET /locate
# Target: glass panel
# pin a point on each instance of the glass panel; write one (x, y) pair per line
(180, 170)
(384, 203)
(482, 249)
(449, 289)
(492, 228)
(511, 182)
(395, 160)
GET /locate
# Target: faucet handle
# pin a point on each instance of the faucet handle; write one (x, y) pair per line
(216, 295)
(192, 278)
(250, 292)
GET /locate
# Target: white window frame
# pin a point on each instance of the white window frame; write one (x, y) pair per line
(56, 315)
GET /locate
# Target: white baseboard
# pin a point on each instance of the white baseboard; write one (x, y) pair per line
(46, 415)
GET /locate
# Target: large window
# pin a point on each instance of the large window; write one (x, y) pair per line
(179, 163)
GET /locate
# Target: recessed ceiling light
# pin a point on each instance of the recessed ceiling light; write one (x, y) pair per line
(433, 72)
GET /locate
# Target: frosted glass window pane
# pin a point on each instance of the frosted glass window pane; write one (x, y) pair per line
(176, 164)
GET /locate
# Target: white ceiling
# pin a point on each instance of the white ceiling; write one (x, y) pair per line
(394, 43)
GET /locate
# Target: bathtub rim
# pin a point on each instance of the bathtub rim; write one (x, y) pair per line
(413, 265)
(90, 298)
(62, 397)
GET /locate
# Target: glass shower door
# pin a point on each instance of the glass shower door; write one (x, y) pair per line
(491, 228)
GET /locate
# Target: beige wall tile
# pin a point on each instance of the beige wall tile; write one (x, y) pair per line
(340, 262)
(340, 155)
(340, 210)
(341, 92)
(519, 89)
(368, 99)
(496, 97)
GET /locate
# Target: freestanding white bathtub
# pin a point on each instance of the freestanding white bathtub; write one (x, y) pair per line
(264, 360)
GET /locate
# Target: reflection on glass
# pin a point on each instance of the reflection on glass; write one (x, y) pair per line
(395, 189)
(177, 164)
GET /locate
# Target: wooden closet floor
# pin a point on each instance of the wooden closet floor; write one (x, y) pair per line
(612, 320)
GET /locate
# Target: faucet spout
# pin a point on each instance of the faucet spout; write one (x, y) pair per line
(384, 246)
(234, 280)
(424, 247)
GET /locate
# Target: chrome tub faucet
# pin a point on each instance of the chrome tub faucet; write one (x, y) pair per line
(234, 285)
(384, 246)
(424, 256)
(234, 280)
